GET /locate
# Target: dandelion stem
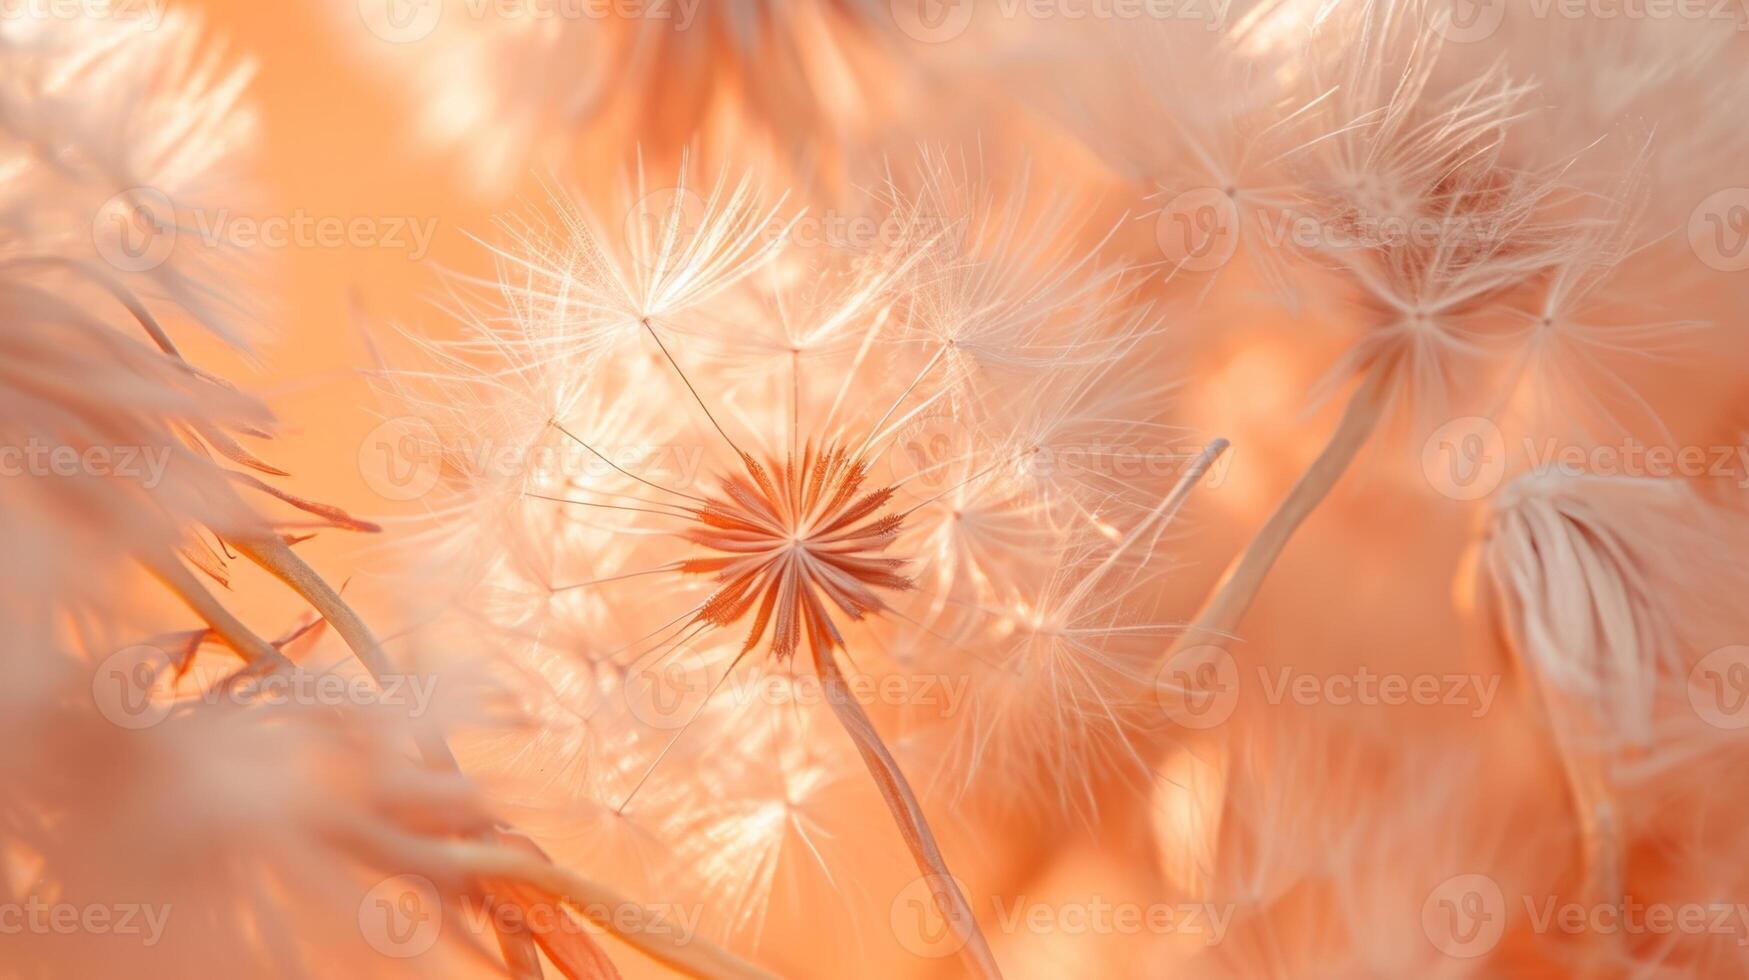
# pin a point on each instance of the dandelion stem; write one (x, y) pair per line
(687, 954)
(1600, 846)
(868, 339)
(670, 567)
(795, 397)
(254, 650)
(907, 814)
(591, 503)
(1238, 587)
(665, 943)
(274, 555)
(654, 486)
(1160, 516)
(651, 329)
(651, 769)
(986, 471)
(874, 432)
(277, 558)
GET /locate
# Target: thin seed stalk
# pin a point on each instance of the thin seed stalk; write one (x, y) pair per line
(1232, 597)
(1601, 853)
(687, 954)
(671, 947)
(254, 650)
(274, 555)
(908, 815)
(1599, 836)
(278, 559)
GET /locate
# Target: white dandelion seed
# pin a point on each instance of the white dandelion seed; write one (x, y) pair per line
(795, 538)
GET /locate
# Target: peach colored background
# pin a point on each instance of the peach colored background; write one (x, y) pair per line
(336, 142)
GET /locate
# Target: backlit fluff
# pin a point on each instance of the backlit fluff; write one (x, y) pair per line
(112, 133)
(1607, 594)
(796, 79)
(799, 498)
(1604, 586)
(254, 832)
(1329, 848)
(118, 136)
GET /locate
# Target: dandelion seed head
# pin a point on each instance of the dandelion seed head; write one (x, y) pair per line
(860, 434)
(793, 538)
(1615, 648)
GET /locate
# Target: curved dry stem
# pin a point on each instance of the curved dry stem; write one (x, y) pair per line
(1232, 597)
(908, 815)
(274, 555)
(688, 955)
(1601, 851)
(669, 944)
(254, 650)
(1599, 836)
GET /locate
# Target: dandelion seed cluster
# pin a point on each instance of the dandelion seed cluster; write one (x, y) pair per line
(864, 463)
(945, 489)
